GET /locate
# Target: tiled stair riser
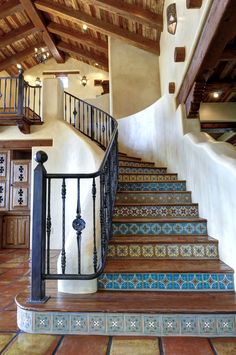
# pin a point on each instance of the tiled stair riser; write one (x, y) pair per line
(158, 198)
(143, 170)
(135, 164)
(195, 282)
(152, 186)
(161, 228)
(126, 324)
(156, 211)
(164, 251)
(146, 177)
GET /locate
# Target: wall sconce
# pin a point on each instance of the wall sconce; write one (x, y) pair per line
(171, 18)
(84, 80)
(38, 82)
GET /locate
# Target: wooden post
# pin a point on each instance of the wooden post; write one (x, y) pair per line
(20, 93)
(39, 230)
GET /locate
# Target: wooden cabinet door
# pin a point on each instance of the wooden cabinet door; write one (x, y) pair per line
(16, 231)
(4, 179)
(20, 185)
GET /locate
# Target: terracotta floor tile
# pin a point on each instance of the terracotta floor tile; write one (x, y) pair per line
(4, 339)
(83, 345)
(8, 321)
(224, 346)
(28, 344)
(186, 346)
(134, 346)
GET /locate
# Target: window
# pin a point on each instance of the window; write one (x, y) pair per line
(64, 80)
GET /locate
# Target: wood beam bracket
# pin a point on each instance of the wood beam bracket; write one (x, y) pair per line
(194, 99)
(193, 4)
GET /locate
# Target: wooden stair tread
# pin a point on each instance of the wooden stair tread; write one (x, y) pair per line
(157, 220)
(136, 160)
(175, 239)
(152, 192)
(148, 204)
(129, 158)
(135, 302)
(167, 266)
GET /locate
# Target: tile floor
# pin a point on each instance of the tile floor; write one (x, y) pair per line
(14, 278)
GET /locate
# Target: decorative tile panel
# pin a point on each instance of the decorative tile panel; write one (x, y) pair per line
(135, 164)
(20, 172)
(156, 211)
(158, 198)
(3, 164)
(160, 251)
(133, 170)
(2, 194)
(152, 186)
(166, 282)
(146, 177)
(20, 197)
(203, 325)
(166, 228)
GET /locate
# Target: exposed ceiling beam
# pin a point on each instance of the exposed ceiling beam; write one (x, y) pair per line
(228, 54)
(101, 60)
(77, 36)
(218, 30)
(9, 8)
(18, 57)
(17, 34)
(98, 25)
(131, 11)
(38, 22)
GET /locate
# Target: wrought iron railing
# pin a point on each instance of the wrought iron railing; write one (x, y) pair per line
(101, 128)
(19, 98)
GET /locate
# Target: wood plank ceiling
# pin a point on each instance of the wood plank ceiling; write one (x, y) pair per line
(58, 26)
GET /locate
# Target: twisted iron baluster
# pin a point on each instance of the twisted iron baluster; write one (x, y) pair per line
(95, 257)
(78, 225)
(63, 253)
(48, 225)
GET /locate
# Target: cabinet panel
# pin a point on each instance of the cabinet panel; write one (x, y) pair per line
(15, 232)
(4, 179)
(20, 185)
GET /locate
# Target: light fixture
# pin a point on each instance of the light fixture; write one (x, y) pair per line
(216, 94)
(85, 27)
(41, 55)
(38, 82)
(84, 80)
(171, 18)
(96, 64)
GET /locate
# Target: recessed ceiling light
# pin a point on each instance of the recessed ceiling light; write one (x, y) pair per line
(216, 95)
(96, 64)
(85, 27)
(19, 66)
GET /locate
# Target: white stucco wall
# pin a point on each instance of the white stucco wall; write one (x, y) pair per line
(134, 78)
(75, 87)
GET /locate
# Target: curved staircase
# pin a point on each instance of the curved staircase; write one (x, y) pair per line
(163, 275)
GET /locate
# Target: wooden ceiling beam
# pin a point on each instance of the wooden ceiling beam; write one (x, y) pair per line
(98, 25)
(10, 8)
(219, 29)
(67, 48)
(228, 54)
(132, 12)
(18, 57)
(78, 36)
(39, 23)
(17, 34)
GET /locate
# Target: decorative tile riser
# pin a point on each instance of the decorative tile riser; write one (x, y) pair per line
(156, 211)
(135, 164)
(164, 251)
(162, 228)
(162, 198)
(146, 178)
(127, 324)
(194, 282)
(127, 170)
(152, 186)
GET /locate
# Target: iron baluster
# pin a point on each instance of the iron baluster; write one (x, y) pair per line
(5, 96)
(70, 108)
(48, 225)
(95, 254)
(63, 252)
(79, 114)
(65, 106)
(83, 118)
(10, 94)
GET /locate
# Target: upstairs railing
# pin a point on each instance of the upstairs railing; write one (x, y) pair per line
(20, 99)
(101, 128)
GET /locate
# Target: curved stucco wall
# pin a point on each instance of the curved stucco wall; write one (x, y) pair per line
(162, 134)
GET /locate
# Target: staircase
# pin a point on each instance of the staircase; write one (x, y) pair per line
(163, 275)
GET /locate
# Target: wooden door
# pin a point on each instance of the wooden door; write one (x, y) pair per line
(16, 231)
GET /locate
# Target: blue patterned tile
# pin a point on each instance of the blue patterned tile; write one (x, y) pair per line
(152, 324)
(170, 325)
(79, 323)
(115, 323)
(226, 324)
(61, 322)
(152, 186)
(43, 322)
(208, 325)
(189, 325)
(133, 324)
(97, 323)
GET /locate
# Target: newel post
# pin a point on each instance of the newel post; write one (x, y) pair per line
(39, 230)
(20, 93)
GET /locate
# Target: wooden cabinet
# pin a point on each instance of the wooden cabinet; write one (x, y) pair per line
(15, 171)
(15, 231)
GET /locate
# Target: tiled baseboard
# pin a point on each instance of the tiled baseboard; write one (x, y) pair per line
(202, 325)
